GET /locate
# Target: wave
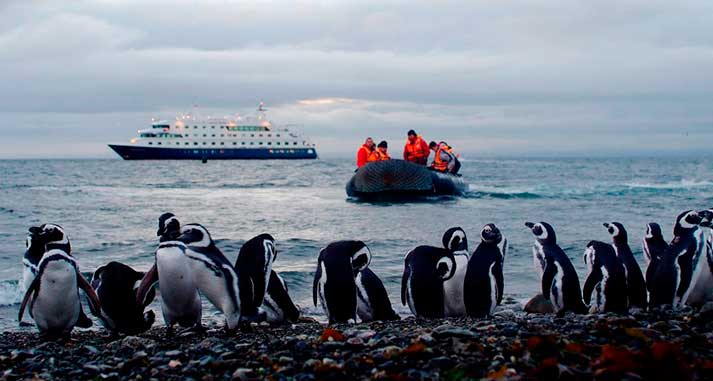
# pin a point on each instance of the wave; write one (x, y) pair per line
(479, 191)
(9, 293)
(682, 184)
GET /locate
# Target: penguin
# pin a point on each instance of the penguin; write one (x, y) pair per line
(373, 302)
(455, 241)
(254, 269)
(606, 278)
(115, 285)
(635, 283)
(654, 246)
(702, 287)
(484, 283)
(172, 271)
(426, 268)
(53, 295)
(560, 283)
(169, 228)
(672, 278)
(214, 275)
(278, 305)
(40, 240)
(334, 285)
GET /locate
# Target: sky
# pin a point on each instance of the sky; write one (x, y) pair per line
(530, 77)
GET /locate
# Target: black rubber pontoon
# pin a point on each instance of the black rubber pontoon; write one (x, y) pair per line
(402, 179)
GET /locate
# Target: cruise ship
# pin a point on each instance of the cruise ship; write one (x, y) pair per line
(190, 137)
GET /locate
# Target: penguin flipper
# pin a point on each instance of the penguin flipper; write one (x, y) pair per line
(595, 276)
(315, 285)
(94, 304)
(499, 282)
(404, 280)
(34, 286)
(548, 277)
(147, 283)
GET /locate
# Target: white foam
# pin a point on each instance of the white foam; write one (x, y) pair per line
(683, 184)
(9, 293)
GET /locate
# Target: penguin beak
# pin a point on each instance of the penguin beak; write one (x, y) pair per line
(529, 225)
(34, 230)
(606, 225)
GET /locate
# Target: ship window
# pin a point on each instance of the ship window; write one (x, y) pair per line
(204, 143)
(251, 143)
(269, 135)
(278, 135)
(186, 143)
(204, 135)
(213, 127)
(260, 135)
(252, 135)
(269, 143)
(295, 143)
(150, 143)
(278, 143)
(234, 143)
(159, 143)
(221, 135)
(213, 143)
(243, 143)
(213, 135)
(204, 127)
(287, 143)
(260, 143)
(178, 143)
(222, 144)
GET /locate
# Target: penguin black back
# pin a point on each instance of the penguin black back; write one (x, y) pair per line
(484, 283)
(116, 284)
(278, 299)
(654, 247)
(334, 281)
(610, 290)
(425, 270)
(254, 265)
(372, 293)
(635, 283)
(169, 228)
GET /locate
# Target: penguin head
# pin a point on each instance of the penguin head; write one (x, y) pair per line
(686, 222)
(446, 267)
(33, 238)
(168, 226)
(598, 254)
(617, 231)
(354, 254)
(53, 236)
(195, 235)
(653, 230)
(491, 234)
(707, 218)
(543, 231)
(454, 239)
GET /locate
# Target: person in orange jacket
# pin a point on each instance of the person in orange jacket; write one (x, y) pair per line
(364, 151)
(445, 160)
(380, 153)
(416, 149)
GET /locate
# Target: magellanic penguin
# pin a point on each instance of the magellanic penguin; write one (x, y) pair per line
(180, 300)
(560, 283)
(115, 285)
(455, 241)
(214, 275)
(53, 295)
(674, 274)
(169, 228)
(606, 279)
(334, 286)
(654, 246)
(373, 301)
(254, 268)
(635, 283)
(278, 305)
(702, 287)
(484, 283)
(425, 270)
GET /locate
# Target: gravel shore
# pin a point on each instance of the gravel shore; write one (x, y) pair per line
(659, 345)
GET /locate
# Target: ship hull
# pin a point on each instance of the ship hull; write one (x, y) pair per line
(128, 152)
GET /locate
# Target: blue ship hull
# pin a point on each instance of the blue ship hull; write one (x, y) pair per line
(128, 152)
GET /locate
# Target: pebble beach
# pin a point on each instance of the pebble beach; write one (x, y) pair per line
(511, 345)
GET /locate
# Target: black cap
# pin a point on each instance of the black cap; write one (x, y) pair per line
(411, 132)
(382, 144)
(431, 144)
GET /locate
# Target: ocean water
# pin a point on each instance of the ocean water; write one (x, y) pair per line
(110, 207)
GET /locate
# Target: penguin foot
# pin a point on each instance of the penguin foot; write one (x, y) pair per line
(25, 324)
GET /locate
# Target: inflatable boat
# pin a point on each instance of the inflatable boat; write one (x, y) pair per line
(399, 179)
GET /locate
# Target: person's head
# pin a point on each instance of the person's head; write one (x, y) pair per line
(369, 142)
(411, 135)
(383, 146)
(433, 145)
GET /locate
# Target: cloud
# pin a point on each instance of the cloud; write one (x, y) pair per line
(511, 75)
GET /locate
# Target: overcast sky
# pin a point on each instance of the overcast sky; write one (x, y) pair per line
(491, 77)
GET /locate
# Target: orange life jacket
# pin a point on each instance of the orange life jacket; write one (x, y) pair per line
(377, 155)
(417, 149)
(363, 155)
(439, 164)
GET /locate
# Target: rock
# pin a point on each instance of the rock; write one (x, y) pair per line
(243, 374)
(174, 364)
(445, 331)
(539, 305)
(174, 353)
(133, 342)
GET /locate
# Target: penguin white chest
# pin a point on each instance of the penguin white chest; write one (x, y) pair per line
(56, 306)
(453, 288)
(557, 289)
(321, 284)
(176, 282)
(364, 309)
